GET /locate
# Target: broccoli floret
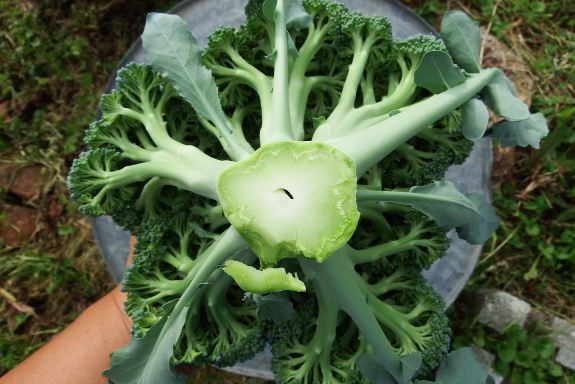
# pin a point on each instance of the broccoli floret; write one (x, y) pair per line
(425, 158)
(93, 183)
(322, 343)
(132, 153)
(221, 328)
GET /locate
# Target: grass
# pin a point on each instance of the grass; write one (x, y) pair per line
(57, 56)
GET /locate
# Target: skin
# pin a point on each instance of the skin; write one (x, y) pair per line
(81, 352)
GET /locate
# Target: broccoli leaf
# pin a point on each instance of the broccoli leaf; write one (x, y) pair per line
(526, 132)
(503, 103)
(295, 14)
(371, 367)
(502, 79)
(474, 119)
(173, 52)
(462, 39)
(437, 73)
(471, 215)
(274, 306)
(462, 367)
(146, 360)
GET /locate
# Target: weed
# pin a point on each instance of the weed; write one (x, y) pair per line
(522, 355)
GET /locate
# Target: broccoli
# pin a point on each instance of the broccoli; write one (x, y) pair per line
(285, 186)
(322, 343)
(221, 328)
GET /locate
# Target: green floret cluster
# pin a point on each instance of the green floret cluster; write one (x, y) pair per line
(321, 343)
(221, 328)
(285, 186)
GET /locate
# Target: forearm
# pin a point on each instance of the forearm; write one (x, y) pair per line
(81, 352)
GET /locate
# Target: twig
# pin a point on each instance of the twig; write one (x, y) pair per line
(500, 245)
(487, 30)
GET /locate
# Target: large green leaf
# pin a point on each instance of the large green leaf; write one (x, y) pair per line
(147, 360)
(173, 52)
(462, 367)
(373, 369)
(462, 39)
(474, 119)
(522, 133)
(503, 103)
(471, 215)
(502, 79)
(437, 73)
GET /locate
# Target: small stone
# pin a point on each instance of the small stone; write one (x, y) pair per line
(19, 224)
(500, 309)
(53, 210)
(27, 181)
(565, 340)
(486, 360)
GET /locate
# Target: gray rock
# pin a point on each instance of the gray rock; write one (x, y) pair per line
(565, 340)
(500, 309)
(486, 360)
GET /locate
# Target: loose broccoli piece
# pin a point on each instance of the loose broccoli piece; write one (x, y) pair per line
(287, 155)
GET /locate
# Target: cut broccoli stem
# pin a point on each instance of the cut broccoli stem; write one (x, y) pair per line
(338, 272)
(280, 127)
(369, 146)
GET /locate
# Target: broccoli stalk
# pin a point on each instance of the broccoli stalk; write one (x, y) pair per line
(370, 145)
